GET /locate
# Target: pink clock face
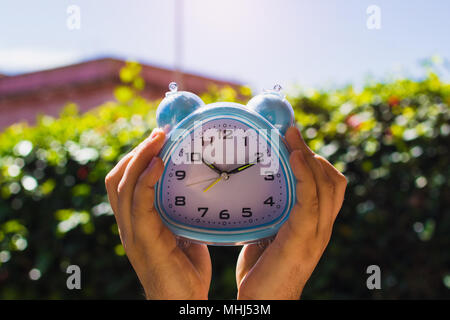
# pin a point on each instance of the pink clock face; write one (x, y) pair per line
(222, 186)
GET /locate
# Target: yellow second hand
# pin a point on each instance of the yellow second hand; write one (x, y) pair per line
(212, 184)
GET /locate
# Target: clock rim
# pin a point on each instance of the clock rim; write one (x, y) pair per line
(207, 235)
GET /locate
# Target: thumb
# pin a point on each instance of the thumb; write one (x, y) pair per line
(145, 220)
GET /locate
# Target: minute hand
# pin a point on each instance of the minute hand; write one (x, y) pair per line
(241, 168)
(211, 166)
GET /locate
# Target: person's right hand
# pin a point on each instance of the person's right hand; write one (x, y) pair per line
(165, 270)
(280, 270)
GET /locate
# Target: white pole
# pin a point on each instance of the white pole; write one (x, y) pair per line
(178, 47)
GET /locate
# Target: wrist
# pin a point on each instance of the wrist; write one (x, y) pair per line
(175, 296)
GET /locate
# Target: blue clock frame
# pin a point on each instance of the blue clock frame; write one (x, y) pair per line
(180, 112)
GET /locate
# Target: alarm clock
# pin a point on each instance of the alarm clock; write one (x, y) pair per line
(227, 178)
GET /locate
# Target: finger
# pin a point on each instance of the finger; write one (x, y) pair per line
(324, 185)
(305, 215)
(198, 254)
(248, 256)
(295, 141)
(145, 221)
(340, 183)
(111, 182)
(113, 178)
(141, 159)
(145, 152)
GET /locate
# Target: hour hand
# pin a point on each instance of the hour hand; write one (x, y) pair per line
(239, 169)
(211, 166)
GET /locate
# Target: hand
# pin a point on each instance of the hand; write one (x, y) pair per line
(211, 166)
(280, 269)
(241, 168)
(165, 270)
(226, 175)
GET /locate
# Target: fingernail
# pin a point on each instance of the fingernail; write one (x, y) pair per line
(155, 132)
(183, 244)
(154, 135)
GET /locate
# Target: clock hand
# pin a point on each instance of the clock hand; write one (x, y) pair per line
(206, 180)
(226, 175)
(211, 166)
(212, 184)
(241, 168)
(223, 176)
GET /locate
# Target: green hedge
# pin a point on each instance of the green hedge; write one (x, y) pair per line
(391, 140)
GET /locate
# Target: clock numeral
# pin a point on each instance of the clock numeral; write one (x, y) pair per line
(194, 157)
(226, 134)
(269, 177)
(259, 156)
(224, 215)
(246, 212)
(180, 201)
(269, 201)
(205, 210)
(180, 174)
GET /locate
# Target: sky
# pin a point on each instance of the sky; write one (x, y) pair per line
(260, 43)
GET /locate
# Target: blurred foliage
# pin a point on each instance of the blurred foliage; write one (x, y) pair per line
(391, 140)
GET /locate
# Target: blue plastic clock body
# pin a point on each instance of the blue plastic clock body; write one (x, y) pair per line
(180, 113)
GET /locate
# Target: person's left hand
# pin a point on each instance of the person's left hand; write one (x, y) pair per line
(165, 270)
